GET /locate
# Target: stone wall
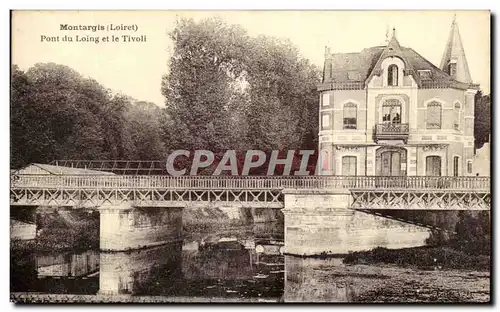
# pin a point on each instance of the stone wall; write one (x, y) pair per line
(367, 231)
(319, 222)
(22, 230)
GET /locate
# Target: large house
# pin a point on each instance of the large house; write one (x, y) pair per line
(387, 111)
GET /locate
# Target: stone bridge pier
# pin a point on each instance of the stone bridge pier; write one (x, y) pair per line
(126, 227)
(321, 221)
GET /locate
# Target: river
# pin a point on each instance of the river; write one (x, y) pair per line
(241, 264)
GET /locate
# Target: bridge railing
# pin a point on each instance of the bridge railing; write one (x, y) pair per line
(247, 182)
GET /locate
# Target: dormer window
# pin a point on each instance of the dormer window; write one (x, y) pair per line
(424, 74)
(452, 68)
(392, 75)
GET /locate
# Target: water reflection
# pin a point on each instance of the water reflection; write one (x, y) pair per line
(240, 263)
(223, 269)
(236, 266)
(315, 280)
(68, 265)
(131, 272)
(55, 273)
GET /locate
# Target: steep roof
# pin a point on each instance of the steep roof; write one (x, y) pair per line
(341, 68)
(454, 52)
(418, 62)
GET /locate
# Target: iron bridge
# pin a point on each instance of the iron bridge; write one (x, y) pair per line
(367, 192)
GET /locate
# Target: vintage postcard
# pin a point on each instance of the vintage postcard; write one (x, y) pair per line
(250, 156)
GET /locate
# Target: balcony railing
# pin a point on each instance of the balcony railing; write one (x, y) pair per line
(392, 131)
(247, 182)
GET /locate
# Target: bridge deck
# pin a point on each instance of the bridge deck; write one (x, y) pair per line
(369, 192)
(250, 182)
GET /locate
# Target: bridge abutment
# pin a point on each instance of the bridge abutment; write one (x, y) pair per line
(126, 228)
(316, 222)
(321, 221)
(23, 223)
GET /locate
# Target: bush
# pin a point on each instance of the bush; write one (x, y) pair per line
(80, 232)
(423, 257)
(472, 234)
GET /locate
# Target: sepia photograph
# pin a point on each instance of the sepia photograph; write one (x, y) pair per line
(314, 156)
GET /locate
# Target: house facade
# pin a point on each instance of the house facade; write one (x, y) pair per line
(387, 111)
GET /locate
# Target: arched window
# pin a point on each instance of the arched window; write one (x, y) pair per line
(457, 116)
(434, 115)
(349, 166)
(350, 116)
(392, 75)
(391, 111)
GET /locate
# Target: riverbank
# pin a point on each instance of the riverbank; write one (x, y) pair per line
(421, 274)
(62, 230)
(396, 284)
(314, 280)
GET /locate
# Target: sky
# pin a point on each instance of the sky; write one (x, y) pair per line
(136, 68)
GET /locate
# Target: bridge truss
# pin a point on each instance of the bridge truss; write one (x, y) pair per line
(94, 198)
(414, 199)
(368, 192)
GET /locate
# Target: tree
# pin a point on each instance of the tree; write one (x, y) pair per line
(198, 89)
(473, 232)
(285, 85)
(143, 129)
(482, 119)
(59, 114)
(226, 90)
(19, 119)
(52, 117)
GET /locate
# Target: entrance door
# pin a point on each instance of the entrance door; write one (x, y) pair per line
(391, 163)
(433, 166)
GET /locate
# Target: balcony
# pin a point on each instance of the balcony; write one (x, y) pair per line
(392, 131)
